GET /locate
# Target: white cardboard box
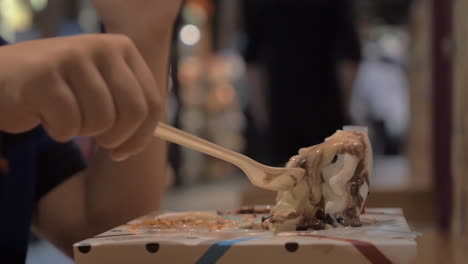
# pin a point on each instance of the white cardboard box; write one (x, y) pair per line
(384, 238)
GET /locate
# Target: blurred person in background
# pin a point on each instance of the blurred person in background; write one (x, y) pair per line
(380, 98)
(110, 87)
(302, 58)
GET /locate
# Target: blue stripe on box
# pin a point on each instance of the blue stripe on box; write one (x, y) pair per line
(217, 250)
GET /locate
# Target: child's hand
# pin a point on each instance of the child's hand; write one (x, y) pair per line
(91, 85)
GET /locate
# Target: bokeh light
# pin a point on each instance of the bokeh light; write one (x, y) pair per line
(190, 35)
(38, 5)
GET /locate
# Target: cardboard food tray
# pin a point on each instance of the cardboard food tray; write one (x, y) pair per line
(383, 238)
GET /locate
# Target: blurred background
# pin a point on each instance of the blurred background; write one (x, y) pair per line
(267, 77)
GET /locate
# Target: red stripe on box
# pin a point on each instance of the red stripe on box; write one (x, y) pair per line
(369, 250)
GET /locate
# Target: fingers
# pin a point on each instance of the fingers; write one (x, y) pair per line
(130, 105)
(144, 133)
(58, 110)
(136, 143)
(104, 90)
(93, 97)
(136, 99)
(20, 118)
(145, 77)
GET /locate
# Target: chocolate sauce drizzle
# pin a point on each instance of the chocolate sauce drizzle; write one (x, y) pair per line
(313, 161)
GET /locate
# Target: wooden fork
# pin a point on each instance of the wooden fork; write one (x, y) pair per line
(271, 178)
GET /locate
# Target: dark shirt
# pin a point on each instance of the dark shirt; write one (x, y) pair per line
(299, 43)
(31, 165)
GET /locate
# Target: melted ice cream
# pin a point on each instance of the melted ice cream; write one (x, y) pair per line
(334, 188)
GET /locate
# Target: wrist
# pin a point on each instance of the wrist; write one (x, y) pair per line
(148, 30)
(148, 41)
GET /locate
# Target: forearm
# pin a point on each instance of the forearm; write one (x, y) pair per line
(155, 49)
(119, 191)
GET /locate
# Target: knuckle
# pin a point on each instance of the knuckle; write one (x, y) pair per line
(45, 68)
(70, 58)
(113, 45)
(107, 118)
(133, 146)
(72, 54)
(47, 74)
(136, 111)
(48, 66)
(99, 45)
(61, 134)
(106, 142)
(123, 41)
(100, 123)
(154, 108)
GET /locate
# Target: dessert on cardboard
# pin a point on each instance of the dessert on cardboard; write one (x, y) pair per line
(318, 219)
(334, 188)
(238, 237)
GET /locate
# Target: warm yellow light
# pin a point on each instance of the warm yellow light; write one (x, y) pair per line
(16, 15)
(38, 5)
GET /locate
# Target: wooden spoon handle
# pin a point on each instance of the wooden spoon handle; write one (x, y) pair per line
(182, 138)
